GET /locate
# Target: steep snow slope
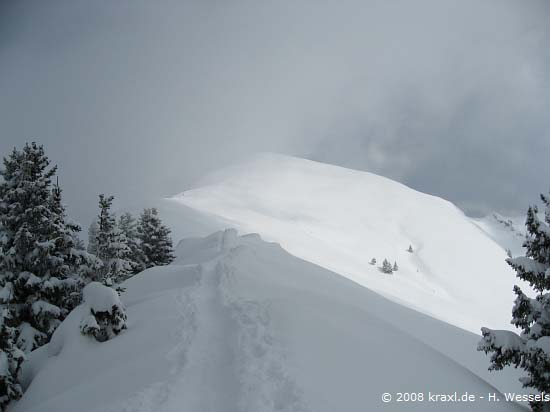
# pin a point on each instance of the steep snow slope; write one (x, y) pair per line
(237, 324)
(340, 219)
(508, 232)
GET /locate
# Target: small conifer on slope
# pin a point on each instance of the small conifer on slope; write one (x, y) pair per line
(156, 243)
(387, 267)
(129, 228)
(529, 350)
(112, 248)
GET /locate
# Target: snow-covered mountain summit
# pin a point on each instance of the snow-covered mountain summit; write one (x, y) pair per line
(340, 219)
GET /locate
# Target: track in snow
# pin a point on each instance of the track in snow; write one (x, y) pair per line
(209, 383)
(222, 355)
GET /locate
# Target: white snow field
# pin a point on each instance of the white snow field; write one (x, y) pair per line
(239, 324)
(340, 219)
(508, 232)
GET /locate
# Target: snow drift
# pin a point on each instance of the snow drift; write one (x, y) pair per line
(238, 324)
(340, 219)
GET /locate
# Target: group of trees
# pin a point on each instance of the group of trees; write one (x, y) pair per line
(44, 265)
(386, 266)
(128, 245)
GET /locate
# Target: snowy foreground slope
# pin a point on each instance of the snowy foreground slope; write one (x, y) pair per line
(238, 324)
(340, 219)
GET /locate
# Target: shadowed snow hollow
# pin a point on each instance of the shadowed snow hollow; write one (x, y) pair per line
(340, 219)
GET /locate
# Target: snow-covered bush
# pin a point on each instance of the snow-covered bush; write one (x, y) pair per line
(373, 261)
(387, 267)
(410, 249)
(529, 350)
(104, 316)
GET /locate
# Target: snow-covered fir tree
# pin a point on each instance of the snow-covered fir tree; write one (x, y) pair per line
(410, 249)
(128, 226)
(112, 248)
(529, 350)
(156, 243)
(11, 359)
(395, 267)
(80, 265)
(92, 237)
(37, 248)
(387, 267)
(373, 261)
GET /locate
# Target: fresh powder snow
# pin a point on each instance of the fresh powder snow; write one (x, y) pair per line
(341, 219)
(239, 324)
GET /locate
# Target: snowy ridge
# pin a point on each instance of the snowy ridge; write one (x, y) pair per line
(238, 324)
(340, 219)
(245, 368)
(265, 383)
(218, 341)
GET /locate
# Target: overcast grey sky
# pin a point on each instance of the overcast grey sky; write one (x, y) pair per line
(140, 98)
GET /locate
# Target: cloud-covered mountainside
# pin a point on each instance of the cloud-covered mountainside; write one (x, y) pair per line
(239, 324)
(341, 219)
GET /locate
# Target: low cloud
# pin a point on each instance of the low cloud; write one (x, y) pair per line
(140, 99)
